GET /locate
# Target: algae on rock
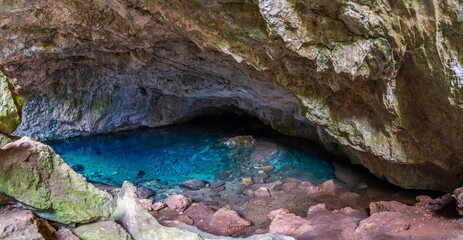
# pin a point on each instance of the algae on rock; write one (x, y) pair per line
(37, 177)
(10, 105)
(105, 230)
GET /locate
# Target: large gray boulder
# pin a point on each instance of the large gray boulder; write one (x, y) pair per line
(37, 177)
(22, 224)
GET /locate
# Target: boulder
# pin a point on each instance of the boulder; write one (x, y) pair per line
(10, 106)
(104, 230)
(383, 223)
(199, 212)
(286, 223)
(264, 151)
(247, 181)
(144, 192)
(262, 192)
(268, 168)
(158, 206)
(241, 141)
(226, 222)
(317, 225)
(185, 219)
(383, 206)
(139, 223)
(4, 140)
(458, 195)
(23, 224)
(65, 234)
(178, 202)
(36, 176)
(147, 204)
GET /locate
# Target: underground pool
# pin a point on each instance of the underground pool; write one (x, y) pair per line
(173, 154)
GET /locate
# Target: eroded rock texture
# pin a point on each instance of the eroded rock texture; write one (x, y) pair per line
(377, 81)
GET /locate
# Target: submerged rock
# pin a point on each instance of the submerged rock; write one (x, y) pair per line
(105, 230)
(264, 151)
(36, 176)
(247, 181)
(144, 192)
(193, 184)
(22, 224)
(241, 141)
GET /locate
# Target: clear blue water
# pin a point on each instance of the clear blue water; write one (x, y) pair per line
(174, 154)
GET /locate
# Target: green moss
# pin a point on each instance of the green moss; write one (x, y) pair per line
(45, 183)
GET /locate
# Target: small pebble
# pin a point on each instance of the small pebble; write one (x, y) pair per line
(247, 181)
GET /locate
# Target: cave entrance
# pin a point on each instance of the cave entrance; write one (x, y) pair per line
(166, 156)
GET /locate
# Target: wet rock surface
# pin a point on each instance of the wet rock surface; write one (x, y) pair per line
(193, 184)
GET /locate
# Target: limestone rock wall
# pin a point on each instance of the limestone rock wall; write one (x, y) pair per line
(377, 81)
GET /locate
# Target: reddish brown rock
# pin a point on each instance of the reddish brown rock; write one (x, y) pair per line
(320, 223)
(268, 168)
(328, 187)
(185, 219)
(178, 202)
(262, 192)
(423, 199)
(226, 222)
(382, 206)
(199, 211)
(144, 193)
(383, 223)
(247, 181)
(158, 206)
(277, 213)
(147, 204)
(308, 187)
(286, 223)
(288, 186)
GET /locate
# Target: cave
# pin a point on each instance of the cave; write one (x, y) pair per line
(255, 119)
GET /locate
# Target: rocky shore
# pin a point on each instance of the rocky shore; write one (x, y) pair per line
(45, 199)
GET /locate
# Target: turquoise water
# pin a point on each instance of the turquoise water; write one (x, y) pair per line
(173, 154)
